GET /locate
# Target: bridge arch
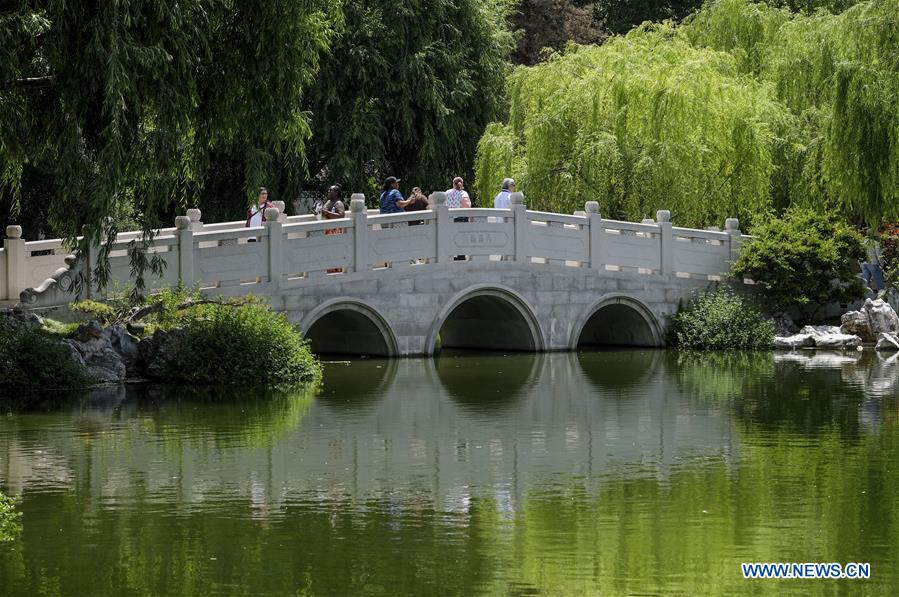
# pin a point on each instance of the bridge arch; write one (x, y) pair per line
(489, 317)
(349, 326)
(617, 320)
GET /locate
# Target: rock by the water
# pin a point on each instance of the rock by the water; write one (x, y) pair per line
(19, 318)
(153, 349)
(874, 318)
(820, 330)
(88, 332)
(105, 365)
(793, 342)
(98, 351)
(837, 341)
(126, 346)
(887, 342)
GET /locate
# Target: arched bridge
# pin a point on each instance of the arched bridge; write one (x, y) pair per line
(411, 283)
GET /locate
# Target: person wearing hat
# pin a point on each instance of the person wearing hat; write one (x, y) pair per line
(392, 201)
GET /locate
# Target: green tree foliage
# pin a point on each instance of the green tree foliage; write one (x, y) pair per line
(619, 16)
(805, 260)
(742, 109)
(720, 320)
(33, 361)
(407, 90)
(643, 122)
(129, 101)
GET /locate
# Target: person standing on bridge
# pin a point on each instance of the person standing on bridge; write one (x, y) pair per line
(256, 213)
(457, 196)
(418, 203)
(392, 201)
(503, 199)
(333, 209)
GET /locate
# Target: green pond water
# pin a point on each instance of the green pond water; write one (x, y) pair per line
(631, 472)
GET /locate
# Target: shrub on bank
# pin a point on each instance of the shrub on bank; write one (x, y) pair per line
(237, 343)
(807, 259)
(31, 360)
(720, 320)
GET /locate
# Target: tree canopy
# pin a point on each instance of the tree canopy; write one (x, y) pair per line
(407, 90)
(126, 102)
(742, 110)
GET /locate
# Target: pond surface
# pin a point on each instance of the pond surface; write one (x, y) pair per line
(638, 472)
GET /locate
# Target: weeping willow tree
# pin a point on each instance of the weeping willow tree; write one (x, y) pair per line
(743, 110)
(127, 102)
(643, 122)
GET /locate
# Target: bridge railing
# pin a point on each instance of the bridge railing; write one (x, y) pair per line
(230, 258)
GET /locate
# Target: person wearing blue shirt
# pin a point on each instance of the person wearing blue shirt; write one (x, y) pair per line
(392, 201)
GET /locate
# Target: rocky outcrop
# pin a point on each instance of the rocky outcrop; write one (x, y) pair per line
(109, 354)
(818, 336)
(887, 342)
(837, 341)
(153, 349)
(820, 330)
(793, 342)
(874, 318)
(876, 322)
(19, 318)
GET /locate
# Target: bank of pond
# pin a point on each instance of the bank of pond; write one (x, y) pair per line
(180, 337)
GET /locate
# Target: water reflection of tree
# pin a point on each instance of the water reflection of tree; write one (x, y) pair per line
(790, 498)
(487, 384)
(230, 415)
(774, 393)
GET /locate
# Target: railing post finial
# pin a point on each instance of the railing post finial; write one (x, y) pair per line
(357, 203)
(517, 198)
(732, 225)
(591, 207)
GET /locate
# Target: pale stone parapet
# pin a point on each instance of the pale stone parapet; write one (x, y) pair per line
(230, 258)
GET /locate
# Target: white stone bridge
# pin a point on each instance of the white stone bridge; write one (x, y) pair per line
(411, 283)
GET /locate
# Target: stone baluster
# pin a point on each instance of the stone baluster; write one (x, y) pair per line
(596, 255)
(732, 227)
(185, 234)
(521, 225)
(196, 225)
(359, 214)
(275, 247)
(443, 227)
(666, 236)
(281, 210)
(15, 261)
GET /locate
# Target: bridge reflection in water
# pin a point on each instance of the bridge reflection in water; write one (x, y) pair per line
(627, 472)
(445, 426)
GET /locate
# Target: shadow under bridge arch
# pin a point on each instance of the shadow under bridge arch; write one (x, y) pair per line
(617, 320)
(486, 317)
(349, 327)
